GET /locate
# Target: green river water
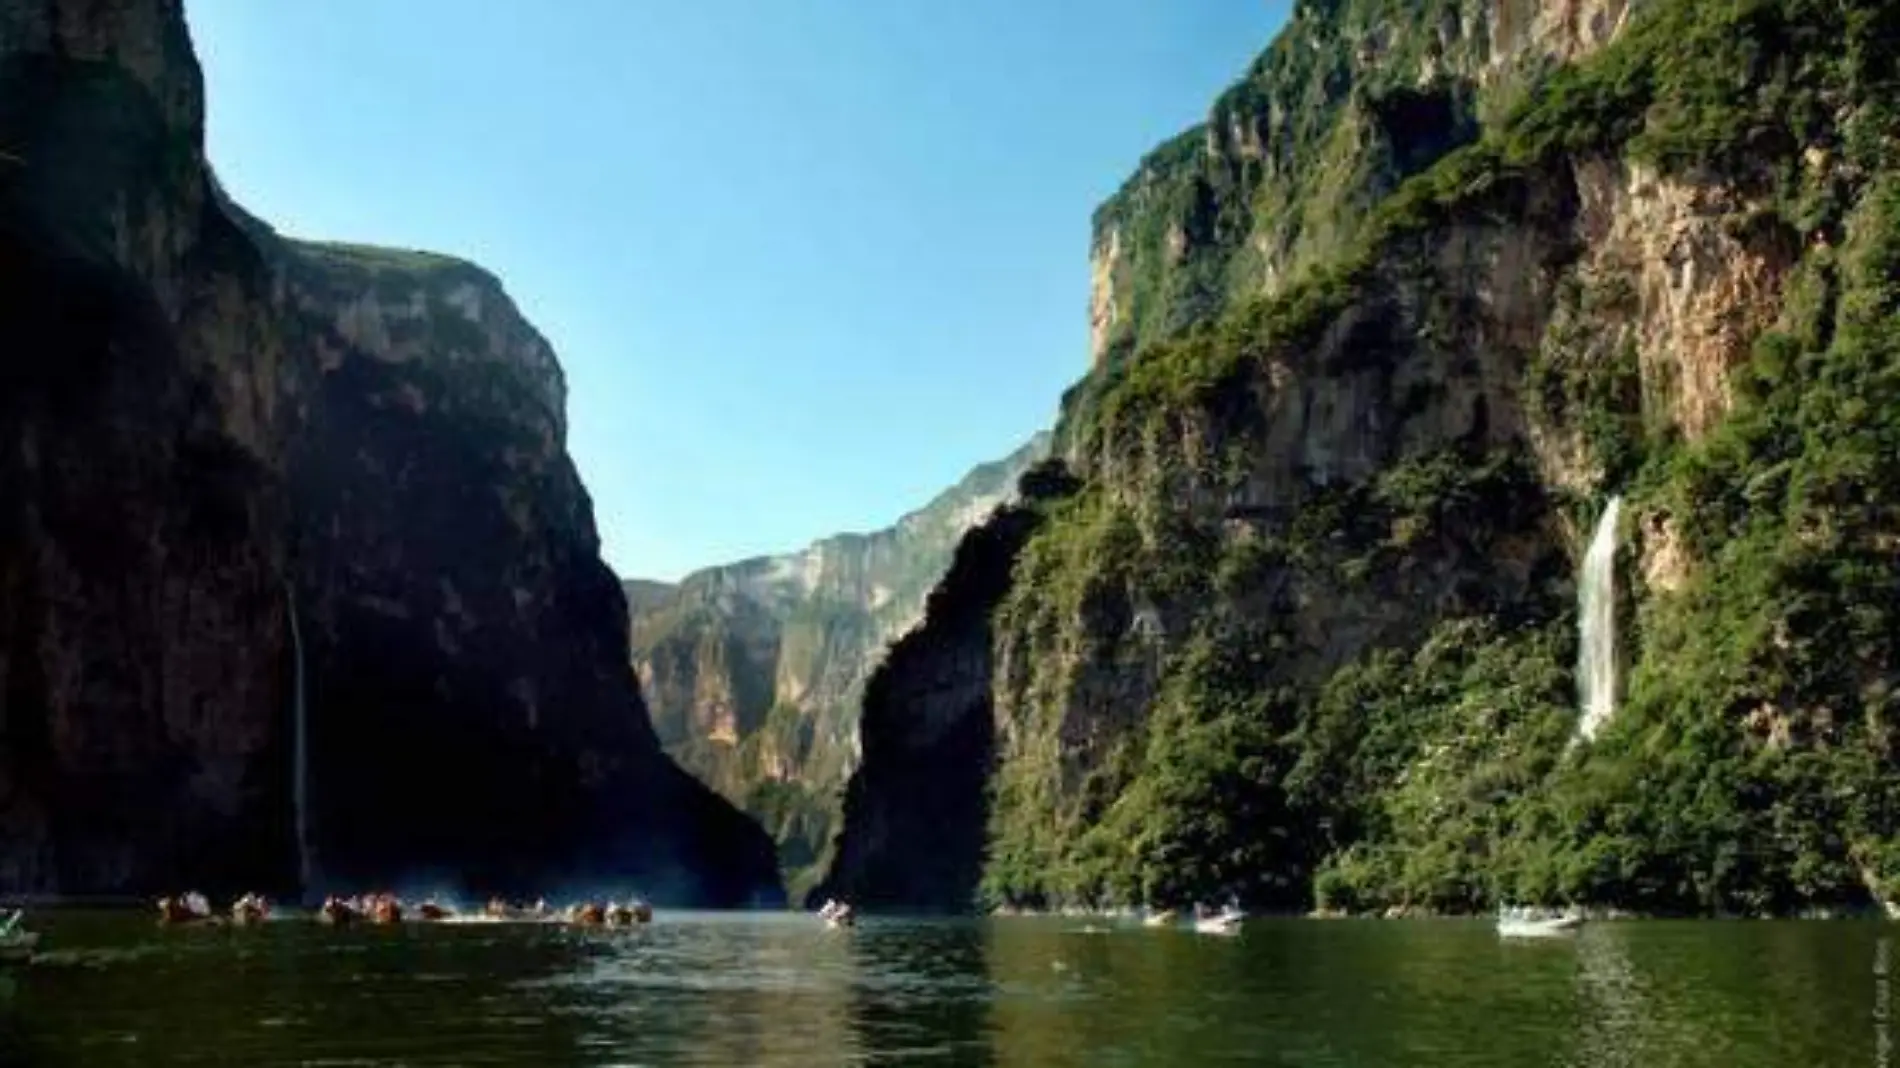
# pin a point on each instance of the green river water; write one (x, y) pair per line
(777, 989)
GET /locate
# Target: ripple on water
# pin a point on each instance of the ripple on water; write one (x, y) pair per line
(780, 992)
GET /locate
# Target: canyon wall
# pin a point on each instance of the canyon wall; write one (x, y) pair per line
(1375, 346)
(209, 427)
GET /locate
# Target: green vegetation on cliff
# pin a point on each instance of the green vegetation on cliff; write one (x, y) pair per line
(1305, 633)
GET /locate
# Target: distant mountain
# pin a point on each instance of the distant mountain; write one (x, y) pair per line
(753, 670)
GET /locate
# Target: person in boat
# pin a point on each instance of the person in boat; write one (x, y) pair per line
(16, 943)
(337, 912)
(249, 909)
(178, 910)
(387, 909)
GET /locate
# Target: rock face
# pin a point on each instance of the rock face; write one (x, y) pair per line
(1354, 97)
(927, 717)
(753, 671)
(1303, 631)
(210, 427)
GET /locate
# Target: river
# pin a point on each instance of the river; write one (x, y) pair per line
(780, 990)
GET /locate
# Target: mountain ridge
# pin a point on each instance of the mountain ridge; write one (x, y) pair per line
(752, 668)
(1302, 630)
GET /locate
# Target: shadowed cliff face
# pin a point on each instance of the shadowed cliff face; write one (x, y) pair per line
(140, 497)
(201, 418)
(928, 718)
(459, 616)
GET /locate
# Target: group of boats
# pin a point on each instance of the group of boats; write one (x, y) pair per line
(1204, 920)
(386, 908)
(17, 943)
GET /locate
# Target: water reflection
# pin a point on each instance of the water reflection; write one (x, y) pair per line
(1613, 1028)
(718, 990)
(117, 991)
(920, 993)
(781, 991)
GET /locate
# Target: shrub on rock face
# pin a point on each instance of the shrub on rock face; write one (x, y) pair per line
(1304, 631)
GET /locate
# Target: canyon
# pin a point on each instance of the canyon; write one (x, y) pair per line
(209, 426)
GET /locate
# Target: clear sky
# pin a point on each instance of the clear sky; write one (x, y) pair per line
(806, 262)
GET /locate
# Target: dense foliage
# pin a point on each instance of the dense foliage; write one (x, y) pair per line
(1174, 732)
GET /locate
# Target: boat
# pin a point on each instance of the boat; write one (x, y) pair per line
(1519, 922)
(250, 909)
(1160, 918)
(837, 914)
(189, 908)
(337, 912)
(16, 943)
(1225, 922)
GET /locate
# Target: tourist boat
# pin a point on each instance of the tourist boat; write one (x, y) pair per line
(191, 908)
(16, 943)
(1518, 922)
(1160, 918)
(250, 909)
(1226, 921)
(337, 912)
(837, 914)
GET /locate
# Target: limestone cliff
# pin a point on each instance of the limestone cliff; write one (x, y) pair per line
(1303, 632)
(753, 671)
(1351, 99)
(927, 718)
(211, 427)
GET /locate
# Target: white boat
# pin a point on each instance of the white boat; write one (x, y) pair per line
(837, 914)
(1225, 922)
(1160, 918)
(16, 943)
(1536, 923)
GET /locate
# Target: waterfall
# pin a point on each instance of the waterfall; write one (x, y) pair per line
(1596, 622)
(300, 773)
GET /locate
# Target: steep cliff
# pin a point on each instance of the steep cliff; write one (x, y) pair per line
(1351, 99)
(211, 428)
(753, 671)
(927, 719)
(141, 484)
(1304, 633)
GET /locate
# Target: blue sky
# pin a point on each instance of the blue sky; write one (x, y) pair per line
(806, 262)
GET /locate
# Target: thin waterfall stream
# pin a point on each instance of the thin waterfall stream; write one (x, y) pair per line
(1596, 622)
(300, 773)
